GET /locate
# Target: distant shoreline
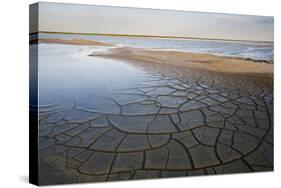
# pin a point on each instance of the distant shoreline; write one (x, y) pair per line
(149, 36)
(71, 42)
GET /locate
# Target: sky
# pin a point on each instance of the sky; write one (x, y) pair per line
(59, 17)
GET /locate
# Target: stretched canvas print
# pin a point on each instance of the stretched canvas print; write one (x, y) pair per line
(128, 93)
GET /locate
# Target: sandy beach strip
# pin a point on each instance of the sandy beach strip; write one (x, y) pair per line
(70, 41)
(188, 60)
(176, 58)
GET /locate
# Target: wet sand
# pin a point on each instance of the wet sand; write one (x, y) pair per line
(189, 60)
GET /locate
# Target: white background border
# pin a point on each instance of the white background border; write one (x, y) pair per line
(14, 91)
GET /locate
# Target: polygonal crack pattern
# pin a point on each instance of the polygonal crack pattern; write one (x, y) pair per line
(164, 127)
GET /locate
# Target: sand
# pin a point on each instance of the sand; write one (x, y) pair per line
(189, 60)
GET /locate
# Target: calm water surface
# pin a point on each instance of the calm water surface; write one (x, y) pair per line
(67, 73)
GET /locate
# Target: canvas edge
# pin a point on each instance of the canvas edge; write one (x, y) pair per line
(33, 99)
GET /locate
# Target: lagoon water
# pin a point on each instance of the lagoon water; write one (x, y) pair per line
(66, 72)
(244, 49)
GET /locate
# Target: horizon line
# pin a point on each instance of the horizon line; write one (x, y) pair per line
(150, 36)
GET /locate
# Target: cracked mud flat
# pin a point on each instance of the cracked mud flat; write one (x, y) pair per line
(141, 120)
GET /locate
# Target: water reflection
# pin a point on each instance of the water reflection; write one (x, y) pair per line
(66, 71)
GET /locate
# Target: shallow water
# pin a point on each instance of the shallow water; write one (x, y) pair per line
(244, 49)
(67, 70)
